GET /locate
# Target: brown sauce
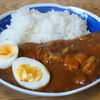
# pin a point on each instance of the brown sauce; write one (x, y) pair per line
(64, 75)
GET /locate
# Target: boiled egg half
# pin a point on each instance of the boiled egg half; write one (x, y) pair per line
(8, 53)
(30, 73)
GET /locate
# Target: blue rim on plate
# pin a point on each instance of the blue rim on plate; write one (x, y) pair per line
(93, 23)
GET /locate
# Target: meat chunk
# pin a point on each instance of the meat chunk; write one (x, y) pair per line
(71, 63)
(55, 57)
(49, 57)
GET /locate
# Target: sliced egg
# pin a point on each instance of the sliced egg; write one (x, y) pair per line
(8, 53)
(30, 73)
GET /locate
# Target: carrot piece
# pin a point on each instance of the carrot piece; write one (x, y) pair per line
(71, 63)
(80, 57)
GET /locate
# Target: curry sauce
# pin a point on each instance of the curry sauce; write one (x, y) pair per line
(71, 63)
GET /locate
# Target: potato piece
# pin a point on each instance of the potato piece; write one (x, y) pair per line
(90, 65)
(80, 57)
(71, 63)
(80, 80)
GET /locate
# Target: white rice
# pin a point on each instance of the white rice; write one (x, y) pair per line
(39, 27)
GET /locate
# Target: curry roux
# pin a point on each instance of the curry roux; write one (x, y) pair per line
(53, 55)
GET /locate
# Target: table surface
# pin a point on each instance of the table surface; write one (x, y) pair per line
(90, 5)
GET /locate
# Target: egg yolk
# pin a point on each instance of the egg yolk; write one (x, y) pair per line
(28, 73)
(7, 51)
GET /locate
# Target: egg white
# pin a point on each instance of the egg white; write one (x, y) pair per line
(5, 63)
(35, 85)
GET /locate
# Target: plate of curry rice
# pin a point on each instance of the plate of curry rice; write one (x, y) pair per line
(49, 50)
